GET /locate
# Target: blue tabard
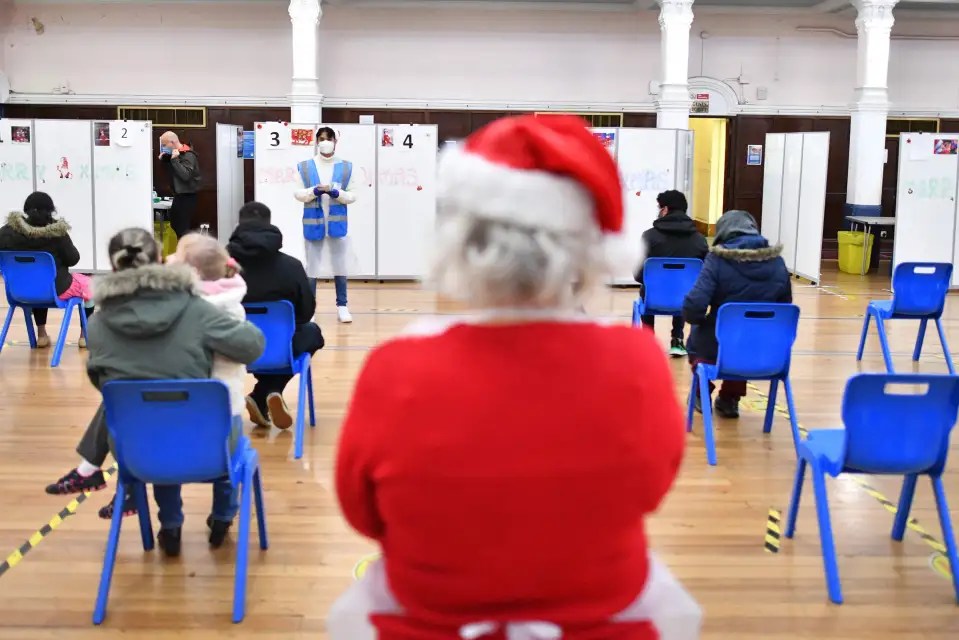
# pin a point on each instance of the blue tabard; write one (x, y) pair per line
(315, 226)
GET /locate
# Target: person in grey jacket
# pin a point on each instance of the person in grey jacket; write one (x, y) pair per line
(184, 166)
(152, 324)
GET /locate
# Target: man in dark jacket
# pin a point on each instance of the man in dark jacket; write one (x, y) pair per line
(184, 166)
(270, 276)
(674, 235)
(741, 267)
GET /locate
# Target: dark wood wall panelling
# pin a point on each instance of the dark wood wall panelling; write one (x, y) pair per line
(744, 184)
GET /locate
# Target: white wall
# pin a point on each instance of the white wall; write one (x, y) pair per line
(499, 56)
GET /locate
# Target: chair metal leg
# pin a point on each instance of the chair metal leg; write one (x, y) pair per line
(948, 536)
(884, 345)
(637, 321)
(793, 418)
(143, 513)
(109, 560)
(242, 548)
(794, 500)
(6, 326)
(945, 347)
(770, 406)
(693, 390)
(300, 418)
(865, 332)
(905, 506)
(31, 334)
(260, 511)
(309, 393)
(919, 339)
(825, 536)
(62, 338)
(708, 434)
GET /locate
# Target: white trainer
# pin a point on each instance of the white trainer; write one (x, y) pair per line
(343, 314)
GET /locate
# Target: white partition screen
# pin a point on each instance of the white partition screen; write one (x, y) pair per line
(229, 178)
(279, 147)
(794, 198)
(64, 170)
(926, 200)
(16, 164)
(122, 181)
(406, 214)
(650, 161)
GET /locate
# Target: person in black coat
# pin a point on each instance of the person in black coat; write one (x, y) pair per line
(271, 275)
(38, 229)
(674, 235)
(741, 267)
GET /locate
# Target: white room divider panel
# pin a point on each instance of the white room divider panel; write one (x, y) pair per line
(64, 170)
(926, 200)
(406, 213)
(650, 161)
(773, 186)
(122, 181)
(279, 147)
(16, 164)
(812, 206)
(794, 198)
(229, 178)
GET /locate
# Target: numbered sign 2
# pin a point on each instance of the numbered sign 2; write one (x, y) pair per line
(121, 133)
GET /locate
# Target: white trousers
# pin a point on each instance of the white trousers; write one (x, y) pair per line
(330, 257)
(664, 602)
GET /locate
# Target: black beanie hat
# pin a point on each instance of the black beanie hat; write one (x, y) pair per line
(38, 201)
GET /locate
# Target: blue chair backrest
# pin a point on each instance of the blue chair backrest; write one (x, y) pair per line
(756, 339)
(170, 431)
(29, 277)
(277, 321)
(898, 423)
(666, 281)
(920, 288)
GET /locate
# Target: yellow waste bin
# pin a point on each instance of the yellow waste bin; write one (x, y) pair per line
(850, 251)
(165, 237)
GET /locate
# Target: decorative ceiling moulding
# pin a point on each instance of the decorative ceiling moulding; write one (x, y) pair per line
(147, 100)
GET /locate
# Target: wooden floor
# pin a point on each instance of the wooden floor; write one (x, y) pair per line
(710, 531)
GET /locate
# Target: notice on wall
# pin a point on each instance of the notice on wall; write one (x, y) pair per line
(248, 145)
(946, 147)
(754, 155)
(607, 138)
(920, 147)
(700, 103)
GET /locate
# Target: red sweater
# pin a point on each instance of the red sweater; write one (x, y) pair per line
(506, 471)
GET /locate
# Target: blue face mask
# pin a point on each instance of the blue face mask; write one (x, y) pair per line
(167, 150)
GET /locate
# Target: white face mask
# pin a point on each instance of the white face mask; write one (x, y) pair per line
(326, 147)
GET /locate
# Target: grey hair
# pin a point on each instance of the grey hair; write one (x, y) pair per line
(494, 264)
(132, 248)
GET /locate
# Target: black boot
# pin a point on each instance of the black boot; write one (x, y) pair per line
(727, 408)
(169, 540)
(218, 531)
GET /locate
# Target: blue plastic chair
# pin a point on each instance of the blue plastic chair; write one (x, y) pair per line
(755, 343)
(919, 293)
(177, 432)
(666, 281)
(890, 430)
(277, 321)
(30, 280)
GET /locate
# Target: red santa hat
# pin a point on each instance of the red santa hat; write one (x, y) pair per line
(547, 172)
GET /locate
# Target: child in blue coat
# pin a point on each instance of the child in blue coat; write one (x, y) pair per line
(740, 267)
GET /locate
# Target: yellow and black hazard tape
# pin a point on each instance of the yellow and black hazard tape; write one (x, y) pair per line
(17, 555)
(773, 531)
(912, 524)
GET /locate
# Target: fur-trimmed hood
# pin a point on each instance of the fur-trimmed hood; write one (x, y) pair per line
(146, 301)
(747, 254)
(19, 222)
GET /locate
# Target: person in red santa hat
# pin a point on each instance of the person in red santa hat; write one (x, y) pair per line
(506, 461)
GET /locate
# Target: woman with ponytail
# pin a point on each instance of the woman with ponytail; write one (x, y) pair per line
(38, 228)
(153, 324)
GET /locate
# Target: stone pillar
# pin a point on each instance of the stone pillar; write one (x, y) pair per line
(672, 107)
(306, 101)
(867, 138)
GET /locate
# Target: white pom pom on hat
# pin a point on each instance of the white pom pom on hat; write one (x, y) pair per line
(546, 172)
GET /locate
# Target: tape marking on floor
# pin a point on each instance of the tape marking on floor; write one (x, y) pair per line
(887, 504)
(17, 555)
(773, 531)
